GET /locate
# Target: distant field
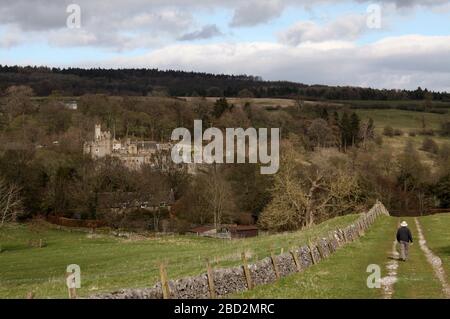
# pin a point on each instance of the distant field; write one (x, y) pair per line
(404, 120)
(395, 104)
(266, 102)
(108, 263)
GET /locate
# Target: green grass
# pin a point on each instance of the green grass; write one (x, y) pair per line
(343, 275)
(416, 277)
(108, 263)
(436, 231)
(405, 120)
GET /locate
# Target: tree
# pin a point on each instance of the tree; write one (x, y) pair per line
(245, 93)
(209, 199)
(220, 107)
(346, 134)
(18, 101)
(367, 131)
(354, 128)
(388, 131)
(217, 196)
(442, 191)
(412, 175)
(321, 134)
(9, 202)
(430, 146)
(308, 191)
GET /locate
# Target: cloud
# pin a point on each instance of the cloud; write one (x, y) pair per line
(134, 21)
(253, 12)
(207, 32)
(397, 62)
(9, 38)
(348, 27)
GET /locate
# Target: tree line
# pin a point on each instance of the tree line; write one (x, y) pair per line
(144, 82)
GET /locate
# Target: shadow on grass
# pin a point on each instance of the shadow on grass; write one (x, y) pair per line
(443, 251)
(393, 258)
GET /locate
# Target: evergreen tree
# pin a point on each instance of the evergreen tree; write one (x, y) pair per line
(354, 129)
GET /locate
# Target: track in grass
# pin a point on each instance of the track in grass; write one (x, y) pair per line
(344, 274)
(433, 260)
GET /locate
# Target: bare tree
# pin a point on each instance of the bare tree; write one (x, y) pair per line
(217, 195)
(307, 191)
(9, 201)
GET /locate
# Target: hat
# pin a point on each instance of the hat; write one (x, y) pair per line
(404, 224)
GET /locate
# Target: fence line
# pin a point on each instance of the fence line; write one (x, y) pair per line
(222, 282)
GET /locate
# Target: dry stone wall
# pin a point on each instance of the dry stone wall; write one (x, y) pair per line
(233, 280)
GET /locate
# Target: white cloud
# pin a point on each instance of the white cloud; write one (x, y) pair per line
(161, 20)
(398, 62)
(348, 27)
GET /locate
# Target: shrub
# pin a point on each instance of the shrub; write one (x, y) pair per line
(388, 131)
(430, 146)
(398, 132)
(427, 132)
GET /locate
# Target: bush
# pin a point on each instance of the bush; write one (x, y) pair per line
(398, 132)
(413, 133)
(427, 132)
(430, 146)
(388, 131)
(445, 128)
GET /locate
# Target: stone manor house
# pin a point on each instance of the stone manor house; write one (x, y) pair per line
(132, 153)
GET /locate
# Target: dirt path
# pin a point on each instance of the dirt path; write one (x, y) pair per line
(434, 260)
(387, 283)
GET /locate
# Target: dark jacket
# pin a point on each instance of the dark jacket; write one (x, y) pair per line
(404, 234)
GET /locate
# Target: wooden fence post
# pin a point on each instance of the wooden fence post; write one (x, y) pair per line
(246, 271)
(275, 266)
(311, 251)
(296, 261)
(164, 281)
(345, 235)
(330, 242)
(321, 253)
(212, 289)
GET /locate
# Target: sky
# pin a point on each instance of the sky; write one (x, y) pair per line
(399, 44)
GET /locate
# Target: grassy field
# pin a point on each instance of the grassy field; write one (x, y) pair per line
(416, 278)
(436, 231)
(405, 120)
(344, 274)
(108, 263)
